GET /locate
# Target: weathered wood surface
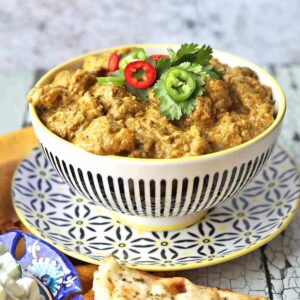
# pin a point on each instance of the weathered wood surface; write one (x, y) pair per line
(273, 270)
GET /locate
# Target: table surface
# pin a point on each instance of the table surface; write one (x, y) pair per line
(274, 269)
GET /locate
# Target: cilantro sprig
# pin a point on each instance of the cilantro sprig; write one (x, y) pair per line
(195, 60)
(191, 53)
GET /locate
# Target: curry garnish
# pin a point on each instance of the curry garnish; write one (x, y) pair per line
(177, 79)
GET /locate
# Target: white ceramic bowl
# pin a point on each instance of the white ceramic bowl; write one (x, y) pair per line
(161, 194)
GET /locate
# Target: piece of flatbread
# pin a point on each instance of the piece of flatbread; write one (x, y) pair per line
(113, 281)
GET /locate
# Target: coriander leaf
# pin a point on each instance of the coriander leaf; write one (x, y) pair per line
(204, 55)
(193, 68)
(162, 65)
(151, 61)
(141, 94)
(191, 53)
(172, 54)
(200, 86)
(186, 52)
(213, 72)
(187, 106)
(187, 49)
(208, 67)
(169, 108)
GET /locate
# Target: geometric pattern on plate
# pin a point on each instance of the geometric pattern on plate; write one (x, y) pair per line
(86, 231)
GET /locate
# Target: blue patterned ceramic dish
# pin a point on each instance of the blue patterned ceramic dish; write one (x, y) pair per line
(82, 229)
(54, 273)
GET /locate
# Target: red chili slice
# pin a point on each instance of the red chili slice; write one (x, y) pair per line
(139, 74)
(156, 57)
(113, 62)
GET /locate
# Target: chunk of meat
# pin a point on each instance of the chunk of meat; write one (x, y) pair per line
(203, 115)
(81, 81)
(63, 78)
(97, 64)
(186, 143)
(89, 106)
(240, 72)
(66, 120)
(106, 94)
(243, 125)
(261, 117)
(249, 91)
(225, 133)
(105, 137)
(63, 121)
(218, 92)
(159, 138)
(255, 97)
(118, 102)
(47, 97)
(123, 108)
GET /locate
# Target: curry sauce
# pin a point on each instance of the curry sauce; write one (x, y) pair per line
(107, 119)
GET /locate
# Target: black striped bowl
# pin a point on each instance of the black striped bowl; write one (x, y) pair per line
(161, 193)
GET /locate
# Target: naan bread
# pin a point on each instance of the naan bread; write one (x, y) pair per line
(113, 281)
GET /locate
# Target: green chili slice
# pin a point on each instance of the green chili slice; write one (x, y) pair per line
(137, 54)
(111, 80)
(179, 84)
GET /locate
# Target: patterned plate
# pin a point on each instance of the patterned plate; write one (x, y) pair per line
(79, 228)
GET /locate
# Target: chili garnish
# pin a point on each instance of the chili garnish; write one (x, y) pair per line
(156, 57)
(113, 62)
(179, 84)
(134, 55)
(111, 80)
(140, 74)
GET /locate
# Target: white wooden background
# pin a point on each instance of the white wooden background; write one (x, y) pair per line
(36, 34)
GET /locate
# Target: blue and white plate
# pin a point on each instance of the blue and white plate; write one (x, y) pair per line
(51, 210)
(54, 273)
